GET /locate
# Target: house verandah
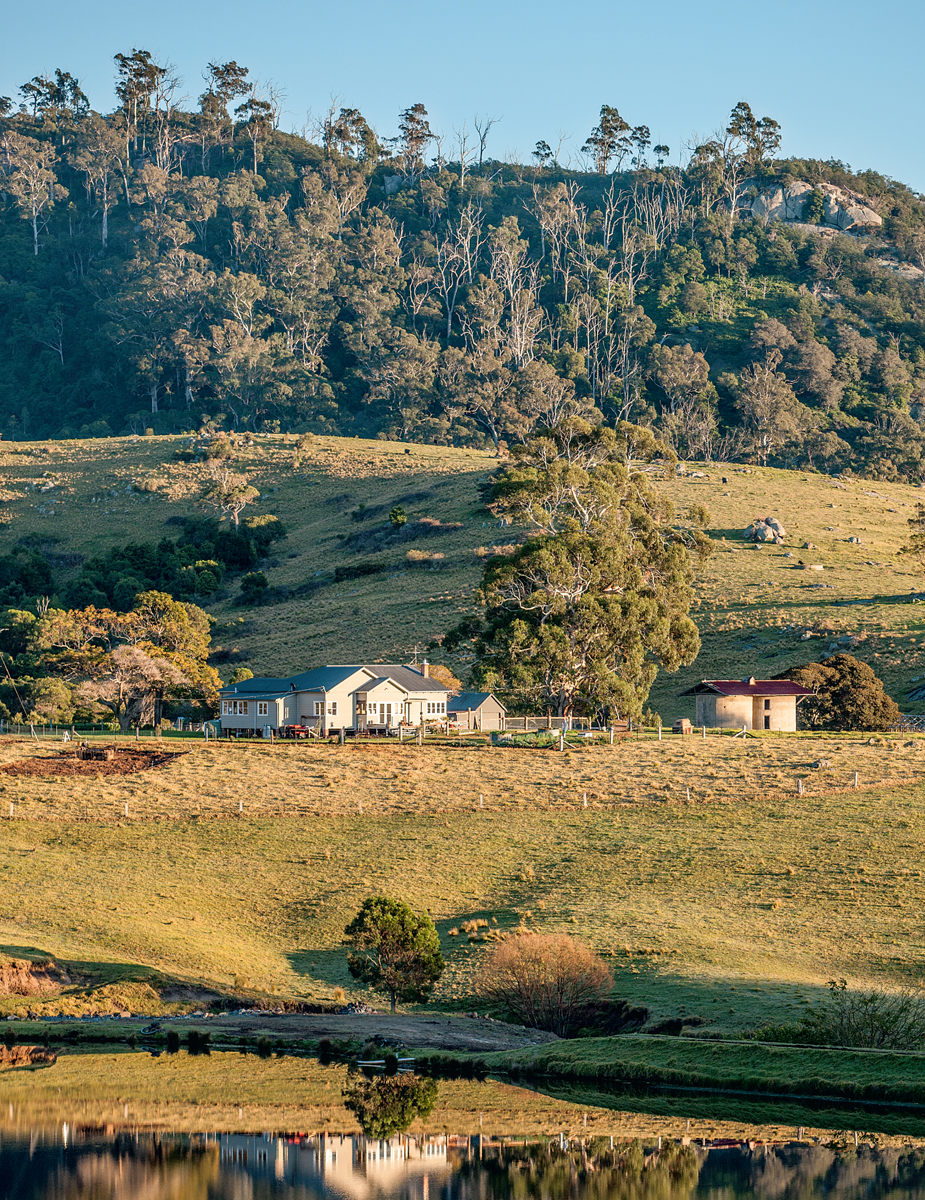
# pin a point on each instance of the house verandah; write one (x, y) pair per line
(371, 698)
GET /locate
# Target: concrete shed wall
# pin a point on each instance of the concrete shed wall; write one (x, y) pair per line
(724, 712)
(775, 712)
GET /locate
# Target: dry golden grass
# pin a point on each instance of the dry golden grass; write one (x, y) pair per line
(736, 909)
(303, 779)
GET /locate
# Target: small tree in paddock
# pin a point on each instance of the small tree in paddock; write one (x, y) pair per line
(545, 980)
(395, 950)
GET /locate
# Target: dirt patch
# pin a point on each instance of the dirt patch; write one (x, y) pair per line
(20, 977)
(427, 1030)
(120, 761)
(26, 1056)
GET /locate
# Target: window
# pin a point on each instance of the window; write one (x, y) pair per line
(226, 707)
(234, 708)
(767, 705)
(767, 722)
(317, 708)
(332, 709)
(263, 708)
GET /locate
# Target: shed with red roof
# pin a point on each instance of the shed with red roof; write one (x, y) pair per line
(748, 703)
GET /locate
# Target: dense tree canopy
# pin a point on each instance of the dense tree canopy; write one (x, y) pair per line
(160, 263)
(848, 696)
(122, 665)
(580, 616)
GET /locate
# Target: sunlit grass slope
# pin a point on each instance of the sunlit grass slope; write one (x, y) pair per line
(754, 606)
(735, 908)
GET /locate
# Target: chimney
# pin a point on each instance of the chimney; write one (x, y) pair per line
(425, 669)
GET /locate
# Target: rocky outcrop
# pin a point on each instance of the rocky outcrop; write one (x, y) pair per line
(841, 209)
(766, 529)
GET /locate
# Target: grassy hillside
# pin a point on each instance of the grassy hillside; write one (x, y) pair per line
(734, 908)
(755, 606)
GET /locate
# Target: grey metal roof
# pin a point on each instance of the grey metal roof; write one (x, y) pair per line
(409, 678)
(470, 701)
(320, 679)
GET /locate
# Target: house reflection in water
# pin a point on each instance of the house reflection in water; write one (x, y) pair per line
(351, 1166)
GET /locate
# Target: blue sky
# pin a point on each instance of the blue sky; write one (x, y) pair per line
(843, 79)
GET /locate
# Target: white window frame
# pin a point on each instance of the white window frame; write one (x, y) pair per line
(226, 707)
(234, 708)
(263, 708)
(332, 709)
(318, 708)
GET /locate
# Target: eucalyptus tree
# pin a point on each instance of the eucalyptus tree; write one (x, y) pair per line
(582, 615)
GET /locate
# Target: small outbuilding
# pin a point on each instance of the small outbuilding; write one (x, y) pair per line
(476, 710)
(748, 703)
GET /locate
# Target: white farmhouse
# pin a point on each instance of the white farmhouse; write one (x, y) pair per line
(373, 698)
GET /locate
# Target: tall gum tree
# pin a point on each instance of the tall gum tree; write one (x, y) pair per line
(581, 617)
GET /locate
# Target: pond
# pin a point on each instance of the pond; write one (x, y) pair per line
(119, 1125)
(69, 1164)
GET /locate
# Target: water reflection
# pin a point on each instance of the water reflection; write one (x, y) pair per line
(324, 1167)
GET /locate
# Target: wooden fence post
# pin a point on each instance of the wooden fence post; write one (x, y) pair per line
(855, 779)
(659, 731)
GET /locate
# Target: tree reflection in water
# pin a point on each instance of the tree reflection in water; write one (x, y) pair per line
(591, 1173)
(387, 1105)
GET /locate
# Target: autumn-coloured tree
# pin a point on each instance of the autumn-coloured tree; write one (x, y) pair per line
(545, 980)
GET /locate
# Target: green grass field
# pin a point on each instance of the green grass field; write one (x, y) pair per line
(753, 606)
(736, 911)
(691, 1063)
(735, 907)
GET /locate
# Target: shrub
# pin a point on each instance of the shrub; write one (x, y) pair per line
(173, 1041)
(394, 949)
(357, 571)
(546, 981)
(398, 517)
(873, 1019)
(254, 587)
(423, 558)
(699, 515)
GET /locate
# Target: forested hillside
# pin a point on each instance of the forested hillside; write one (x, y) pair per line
(175, 263)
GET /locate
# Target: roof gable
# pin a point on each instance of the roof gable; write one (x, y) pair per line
(407, 678)
(470, 701)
